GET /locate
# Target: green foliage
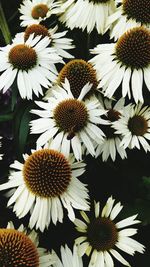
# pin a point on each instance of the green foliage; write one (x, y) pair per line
(21, 127)
(141, 204)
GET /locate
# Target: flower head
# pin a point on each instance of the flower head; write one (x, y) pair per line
(102, 236)
(111, 143)
(34, 11)
(134, 126)
(129, 14)
(20, 248)
(69, 121)
(78, 72)
(126, 60)
(43, 184)
(59, 41)
(31, 62)
(87, 14)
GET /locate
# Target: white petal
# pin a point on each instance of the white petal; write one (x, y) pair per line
(119, 257)
(108, 259)
(137, 81)
(128, 221)
(126, 82)
(86, 140)
(115, 211)
(84, 91)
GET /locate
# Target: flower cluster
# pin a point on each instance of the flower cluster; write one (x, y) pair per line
(66, 109)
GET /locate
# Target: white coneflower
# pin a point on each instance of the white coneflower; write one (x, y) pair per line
(78, 72)
(102, 236)
(69, 121)
(57, 39)
(134, 126)
(30, 62)
(87, 14)
(111, 143)
(45, 183)
(123, 62)
(34, 11)
(19, 247)
(129, 14)
(68, 258)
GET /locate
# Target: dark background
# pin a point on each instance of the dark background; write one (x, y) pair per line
(123, 179)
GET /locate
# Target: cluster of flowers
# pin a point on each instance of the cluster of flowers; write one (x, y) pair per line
(79, 115)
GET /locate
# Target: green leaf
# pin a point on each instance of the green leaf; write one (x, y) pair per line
(14, 89)
(146, 181)
(24, 129)
(140, 207)
(4, 26)
(6, 117)
(21, 127)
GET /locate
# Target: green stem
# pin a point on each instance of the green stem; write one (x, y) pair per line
(4, 26)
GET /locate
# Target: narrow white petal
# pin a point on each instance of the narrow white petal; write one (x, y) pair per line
(76, 146)
(84, 91)
(126, 82)
(137, 81)
(86, 140)
(82, 248)
(128, 232)
(128, 221)
(119, 257)
(97, 209)
(115, 211)
(108, 259)
(147, 77)
(46, 136)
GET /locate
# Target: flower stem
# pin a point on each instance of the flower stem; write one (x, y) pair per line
(4, 26)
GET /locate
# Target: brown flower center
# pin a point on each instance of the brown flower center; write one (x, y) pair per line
(138, 125)
(102, 234)
(37, 29)
(16, 249)
(133, 48)
(78, 72)
(71, 115)
(47, 173)
(138, 10)
(22, 57)
(113, 115)
(39, 11)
